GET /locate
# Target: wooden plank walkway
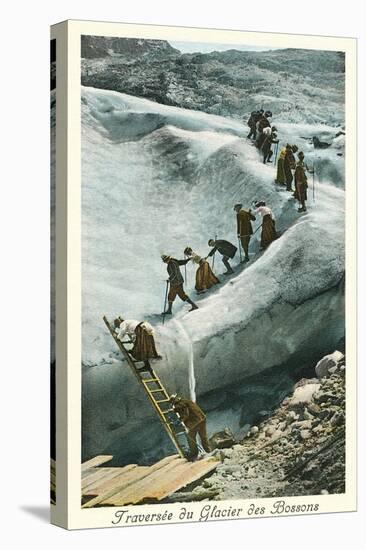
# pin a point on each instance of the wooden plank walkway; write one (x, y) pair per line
(134, 484)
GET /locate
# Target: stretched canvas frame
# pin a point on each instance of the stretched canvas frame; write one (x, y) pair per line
(67, 511)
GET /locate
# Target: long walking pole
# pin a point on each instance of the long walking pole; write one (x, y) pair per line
(165, 299)
(213, 257)
(239, 243)
(313, 181)
(276, 154)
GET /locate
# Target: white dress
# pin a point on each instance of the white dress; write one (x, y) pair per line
(128, 326)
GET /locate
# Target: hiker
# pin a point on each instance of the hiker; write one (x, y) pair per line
(244, 228)
(289, 164)
(301, 182)
(142, 336)
(263, 123)
(281, 178)
(176, 283)
(269, 233)
(252, 123)
(194, 419)
(270, 137)
(205, 278)
(226, 249)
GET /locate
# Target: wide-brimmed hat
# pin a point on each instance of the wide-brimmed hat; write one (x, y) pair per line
(165, 257)
(238, 205)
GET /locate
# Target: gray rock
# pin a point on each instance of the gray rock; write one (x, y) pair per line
(328, 362)
(337, 419)
(223, 439)
(305, 434)
(313, 408)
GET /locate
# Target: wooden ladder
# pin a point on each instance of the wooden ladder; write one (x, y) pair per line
(157, 394)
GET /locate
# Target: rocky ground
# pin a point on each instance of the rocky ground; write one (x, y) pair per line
(230, 83)
(299, 450)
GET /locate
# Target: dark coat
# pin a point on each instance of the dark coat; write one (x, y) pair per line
(175, 276)
(244, 225)
(190, 413)
(224, 248)
(253, 119)
(267, 144)
(262, 123)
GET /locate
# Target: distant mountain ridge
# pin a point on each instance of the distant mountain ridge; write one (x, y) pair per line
(228, 83)
(97, 47)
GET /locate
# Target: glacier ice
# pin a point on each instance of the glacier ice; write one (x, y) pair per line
(156, 179)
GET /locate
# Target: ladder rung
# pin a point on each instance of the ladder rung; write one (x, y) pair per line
(155, 391)
(168, 411)
(162, 401)
(180, 433)
(150, 380)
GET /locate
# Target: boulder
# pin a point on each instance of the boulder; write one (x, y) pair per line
(303, 395)
(223, 439)
(328, 362)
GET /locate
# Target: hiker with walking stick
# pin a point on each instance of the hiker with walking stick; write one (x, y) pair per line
(261, 125)
(289, 164)
(301, 182)
(226, 249)
(244, 228)
(270, 137)
(176, 283)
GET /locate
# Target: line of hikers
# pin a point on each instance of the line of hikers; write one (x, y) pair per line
(262, 133)
(141, 333)
(205, 277)
(265, 136)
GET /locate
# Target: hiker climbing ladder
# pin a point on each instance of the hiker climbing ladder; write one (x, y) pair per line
(157, 395)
